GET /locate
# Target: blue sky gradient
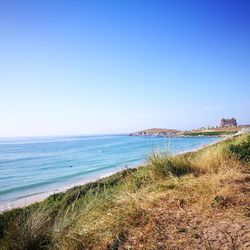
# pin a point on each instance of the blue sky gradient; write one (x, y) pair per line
(96, 67)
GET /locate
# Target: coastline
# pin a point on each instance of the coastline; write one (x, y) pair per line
(199, 189)
(207, 145)
(39, 197)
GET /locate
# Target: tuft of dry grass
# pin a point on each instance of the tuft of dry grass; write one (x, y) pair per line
(30, 230)
(164, 165)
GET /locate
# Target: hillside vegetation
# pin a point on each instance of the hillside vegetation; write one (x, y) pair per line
(208, 133)
(219, 131)
(198, 200)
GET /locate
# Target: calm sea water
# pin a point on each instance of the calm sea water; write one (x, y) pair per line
(35, 165)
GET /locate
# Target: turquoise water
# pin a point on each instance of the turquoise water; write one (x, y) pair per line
(30, 166)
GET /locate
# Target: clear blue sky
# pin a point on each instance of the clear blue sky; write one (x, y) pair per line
(94, 67)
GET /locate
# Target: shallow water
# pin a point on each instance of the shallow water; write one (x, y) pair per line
(30, 166)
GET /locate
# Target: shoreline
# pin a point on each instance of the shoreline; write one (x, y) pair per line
(39, 197)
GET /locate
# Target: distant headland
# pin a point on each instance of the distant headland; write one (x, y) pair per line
(227, 126)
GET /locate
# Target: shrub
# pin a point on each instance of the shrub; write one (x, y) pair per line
(241, 150)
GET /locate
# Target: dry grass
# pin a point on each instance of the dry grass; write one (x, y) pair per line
(171, 203)
(30, 230)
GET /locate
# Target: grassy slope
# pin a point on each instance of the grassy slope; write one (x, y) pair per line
(209, 133)
(199, 199)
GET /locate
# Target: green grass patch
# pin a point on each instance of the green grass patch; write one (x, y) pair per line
(164, 165)
(241, 150)
(208, 133)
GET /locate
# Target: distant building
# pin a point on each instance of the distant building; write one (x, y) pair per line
(228, 123)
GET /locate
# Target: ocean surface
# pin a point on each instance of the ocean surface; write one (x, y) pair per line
(30, 166)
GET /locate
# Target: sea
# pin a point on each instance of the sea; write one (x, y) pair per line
(32, 166)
